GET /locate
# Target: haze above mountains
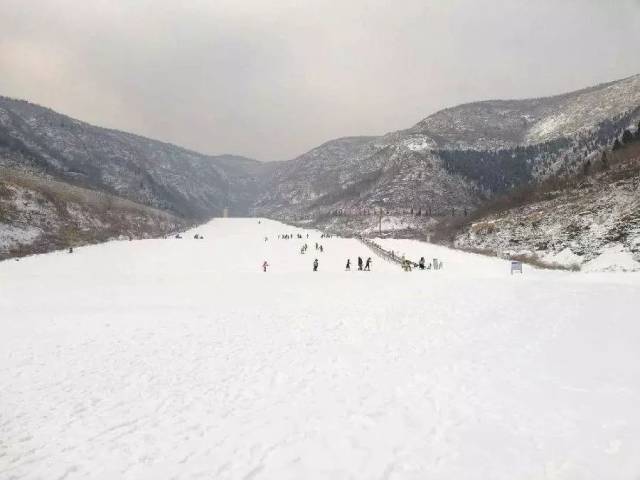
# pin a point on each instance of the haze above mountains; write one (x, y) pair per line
(271, 80)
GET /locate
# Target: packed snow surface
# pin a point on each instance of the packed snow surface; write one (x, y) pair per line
(181, 359)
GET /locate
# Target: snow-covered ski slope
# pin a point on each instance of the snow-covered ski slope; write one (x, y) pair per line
(181, 359)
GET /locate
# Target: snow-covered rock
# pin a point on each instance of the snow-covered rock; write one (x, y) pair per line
(41, 214)
(593, 223)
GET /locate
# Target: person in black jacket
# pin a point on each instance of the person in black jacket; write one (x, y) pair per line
(359, 263)
(315, 265)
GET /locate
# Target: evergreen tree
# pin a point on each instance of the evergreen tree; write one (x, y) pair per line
(587, 167)
(605, 161)
(616, 145)
(627, 137)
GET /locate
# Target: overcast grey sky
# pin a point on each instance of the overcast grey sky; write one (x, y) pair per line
(271, 79)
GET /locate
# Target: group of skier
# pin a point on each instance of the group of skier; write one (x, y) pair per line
(197, 236)
(290, 236)
(363, 265)
(422, 264)
(366, 267)
(305, 247)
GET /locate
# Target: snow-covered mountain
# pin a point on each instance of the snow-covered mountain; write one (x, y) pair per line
(503, 124)
(451, 161)
(447, 165)
(161, 175)
(592, 223)
(38, 215)
(454, 159)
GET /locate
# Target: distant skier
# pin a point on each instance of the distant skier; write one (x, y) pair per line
(360, 263)
(321, 249)
(264, 266)
(70, 249)
(315, 265)
(421, 263)
(367, 265)
(348, 267)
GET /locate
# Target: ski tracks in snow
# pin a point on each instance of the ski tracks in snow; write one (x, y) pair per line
(181, 360)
